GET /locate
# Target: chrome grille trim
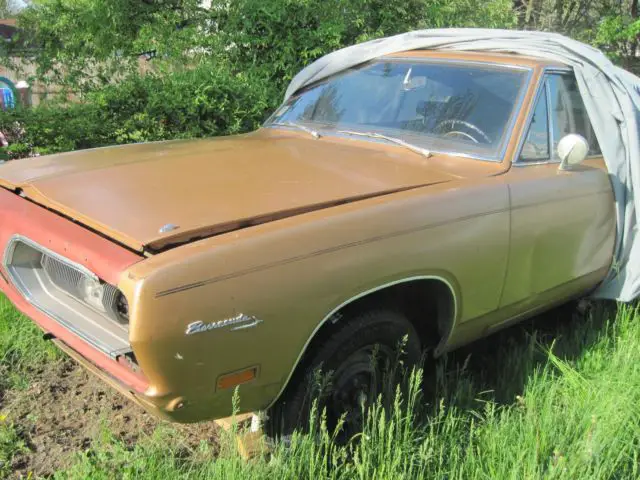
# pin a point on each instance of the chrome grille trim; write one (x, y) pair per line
(51, 283)
(13, 241)
(61, 274)
(68, 280)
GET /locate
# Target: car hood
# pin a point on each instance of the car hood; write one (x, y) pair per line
(155, 195)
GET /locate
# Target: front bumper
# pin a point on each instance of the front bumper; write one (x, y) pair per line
(129, 379)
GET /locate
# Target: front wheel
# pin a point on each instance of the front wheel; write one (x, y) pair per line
(346, 371)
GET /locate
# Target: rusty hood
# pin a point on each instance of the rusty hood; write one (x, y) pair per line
(211, 186)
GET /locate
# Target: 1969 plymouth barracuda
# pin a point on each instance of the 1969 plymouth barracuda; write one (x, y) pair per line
(427, 195)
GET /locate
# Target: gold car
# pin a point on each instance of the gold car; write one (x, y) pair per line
(439, 196)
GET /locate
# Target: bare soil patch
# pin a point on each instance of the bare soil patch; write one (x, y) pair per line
(64, 408)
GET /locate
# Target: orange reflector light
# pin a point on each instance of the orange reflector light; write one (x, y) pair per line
(236, 378)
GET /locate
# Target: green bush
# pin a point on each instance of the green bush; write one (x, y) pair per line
(53, 128)
(206, 100)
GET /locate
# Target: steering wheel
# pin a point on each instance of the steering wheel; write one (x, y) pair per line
(452, 124)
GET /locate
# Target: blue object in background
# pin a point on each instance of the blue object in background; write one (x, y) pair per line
(6, 94)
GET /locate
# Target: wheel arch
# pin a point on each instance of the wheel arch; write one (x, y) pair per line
(445, 301)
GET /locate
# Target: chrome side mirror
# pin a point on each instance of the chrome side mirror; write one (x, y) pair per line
(572, 150)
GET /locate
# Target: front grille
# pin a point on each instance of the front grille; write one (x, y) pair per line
(63, 276)
(70, 294)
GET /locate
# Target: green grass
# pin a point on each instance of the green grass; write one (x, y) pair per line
(10, 445)
(22, 352)
(22, 349)
(557, 398)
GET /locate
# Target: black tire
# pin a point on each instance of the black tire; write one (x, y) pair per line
(351, 365)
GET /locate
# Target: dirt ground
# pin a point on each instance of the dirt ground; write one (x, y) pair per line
(64, 408)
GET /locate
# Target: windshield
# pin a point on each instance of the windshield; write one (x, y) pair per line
(452, 107)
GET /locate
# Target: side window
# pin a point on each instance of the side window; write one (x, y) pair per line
(568, 113)
(536, 145)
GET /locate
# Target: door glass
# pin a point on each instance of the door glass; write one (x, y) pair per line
(568, 113)
(536, 145)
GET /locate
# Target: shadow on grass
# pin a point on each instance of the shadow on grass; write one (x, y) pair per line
(498, 367)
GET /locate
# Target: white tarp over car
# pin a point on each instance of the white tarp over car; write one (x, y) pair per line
(611, 96)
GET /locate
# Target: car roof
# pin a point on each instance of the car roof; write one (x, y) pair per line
(484, 57)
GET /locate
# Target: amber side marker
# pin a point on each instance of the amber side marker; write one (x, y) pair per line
(236, 378)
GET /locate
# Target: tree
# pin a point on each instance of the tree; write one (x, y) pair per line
(279, 37)
(618, 33)
(611, 25)
(83, 44)
(10, 8)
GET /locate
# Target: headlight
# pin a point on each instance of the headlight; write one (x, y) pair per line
(92, 292)
(122, 308)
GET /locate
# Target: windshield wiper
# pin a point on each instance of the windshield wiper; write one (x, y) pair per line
(414, 148)
(310, 131)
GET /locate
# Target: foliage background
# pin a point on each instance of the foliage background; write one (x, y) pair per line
(141, 70)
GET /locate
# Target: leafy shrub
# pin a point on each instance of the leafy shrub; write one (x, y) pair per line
(207, 100)
(53, 128)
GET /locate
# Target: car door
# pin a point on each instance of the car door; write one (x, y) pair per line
(562, 221)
